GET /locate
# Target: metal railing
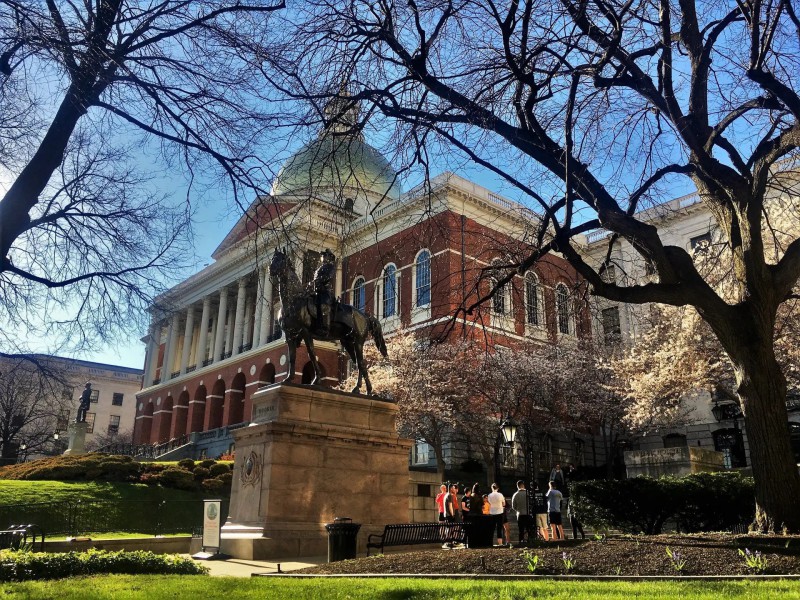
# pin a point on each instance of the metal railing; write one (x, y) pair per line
(144, 450)
(82, 517)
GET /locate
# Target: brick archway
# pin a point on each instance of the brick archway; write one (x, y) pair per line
(234, 401)
(180, 416)
(162, 421)
(197, 410)
(214, 406)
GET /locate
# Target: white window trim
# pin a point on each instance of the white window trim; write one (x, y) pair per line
(505, 320)
(421, 313)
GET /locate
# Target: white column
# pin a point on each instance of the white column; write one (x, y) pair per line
(229, 333)
(201, 355)
(337, 288)
(266, 311)
(238, 321)
(169, 351)
(219, 340)
(187, 339)
(153, 337)
(256, 332)
(247, 334)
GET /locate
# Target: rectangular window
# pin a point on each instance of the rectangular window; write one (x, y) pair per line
(66, 393)
(424, 490)
(612, 331)
(95, 395)
(113, 424)
(116, 400)
(421, 453)
(423, 279)
(90, 422)
(63, 420)
(389, 291)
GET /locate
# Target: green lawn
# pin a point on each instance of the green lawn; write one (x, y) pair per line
(152, 587)
(14, 491)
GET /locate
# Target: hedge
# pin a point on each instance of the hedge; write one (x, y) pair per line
(21, 565)
(698, 502)
(185, 475)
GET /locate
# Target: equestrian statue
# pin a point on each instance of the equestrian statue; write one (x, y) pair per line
(307, 315)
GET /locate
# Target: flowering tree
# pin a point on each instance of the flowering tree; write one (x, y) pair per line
(431, 384)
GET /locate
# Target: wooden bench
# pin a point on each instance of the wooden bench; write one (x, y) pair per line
(20, 536)
(409, 534)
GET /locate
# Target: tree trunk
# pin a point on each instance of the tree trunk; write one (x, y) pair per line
(762, 391)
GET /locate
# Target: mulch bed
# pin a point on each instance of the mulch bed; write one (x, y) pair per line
(704, 554)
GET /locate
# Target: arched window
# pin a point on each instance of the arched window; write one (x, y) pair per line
(359, 294)
(562, 309)
(533, 301)
(389, 292)
(422, 272)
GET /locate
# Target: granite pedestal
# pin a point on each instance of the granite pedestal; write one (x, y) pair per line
(312, 454)
(76, 433)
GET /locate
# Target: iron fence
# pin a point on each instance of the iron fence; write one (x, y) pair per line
(83, 517)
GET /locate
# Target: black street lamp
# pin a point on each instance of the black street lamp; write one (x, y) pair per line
(509, 430)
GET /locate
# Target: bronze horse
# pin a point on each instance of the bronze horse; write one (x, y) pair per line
(297, 316)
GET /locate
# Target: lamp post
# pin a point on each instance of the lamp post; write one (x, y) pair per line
(23, 449)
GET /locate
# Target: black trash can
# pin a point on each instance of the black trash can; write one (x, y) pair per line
(342, 538)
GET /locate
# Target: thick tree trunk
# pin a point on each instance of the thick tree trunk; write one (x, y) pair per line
(762, 390)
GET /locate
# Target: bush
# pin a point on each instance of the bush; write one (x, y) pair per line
(87, 467)
(213, 485)
(175, 477)
(20, 565)
(201, 473)
(219, 469)
(698, 502)
(186, 463)
(206, 464)
(226, 478)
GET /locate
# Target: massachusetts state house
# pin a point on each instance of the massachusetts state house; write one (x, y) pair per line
(410, 258)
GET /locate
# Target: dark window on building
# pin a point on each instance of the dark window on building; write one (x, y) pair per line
(562, 309)
(424, 490)
(90, 422)
(389, 291)
(63, 420)
(612, 331)
(794, 433)
(731, 444)
(95, 395)
(423, 276)
(113, 424)
(359, 294)
(116, 400)
(532, 316)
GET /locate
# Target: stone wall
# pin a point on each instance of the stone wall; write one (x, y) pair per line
(672, 461)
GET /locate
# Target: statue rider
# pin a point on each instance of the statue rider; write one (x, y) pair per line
(85, 403)
(324, 279)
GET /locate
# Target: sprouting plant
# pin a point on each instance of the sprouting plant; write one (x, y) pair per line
(754, 560)
(569, 563)
(600, 536)
(676, 559)
(617, 571)
(532, 560)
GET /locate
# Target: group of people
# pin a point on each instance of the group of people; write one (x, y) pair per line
(545, 522)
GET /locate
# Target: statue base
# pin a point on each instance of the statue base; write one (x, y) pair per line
(312, 454)
(77, 439)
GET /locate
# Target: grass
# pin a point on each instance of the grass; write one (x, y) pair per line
(154, 587)
(23, 492)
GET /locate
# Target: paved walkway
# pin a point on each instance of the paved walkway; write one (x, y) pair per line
(238, 567)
